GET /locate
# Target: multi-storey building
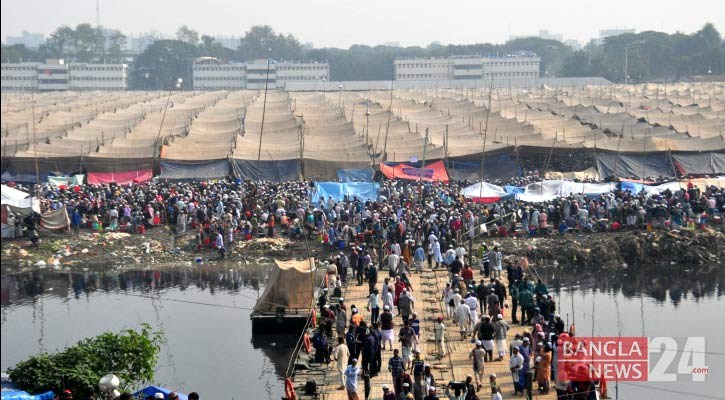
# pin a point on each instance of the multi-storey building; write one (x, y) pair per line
(519, 65)
(57, 75)
(211, 74)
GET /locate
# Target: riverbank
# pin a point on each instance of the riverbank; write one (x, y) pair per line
(702, 250)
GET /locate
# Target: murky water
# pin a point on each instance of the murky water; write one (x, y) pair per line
(204, 311)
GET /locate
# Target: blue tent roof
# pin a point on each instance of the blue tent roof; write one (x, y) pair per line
(21, 395)
(152, 390)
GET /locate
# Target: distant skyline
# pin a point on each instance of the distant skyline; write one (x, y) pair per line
(341, 23)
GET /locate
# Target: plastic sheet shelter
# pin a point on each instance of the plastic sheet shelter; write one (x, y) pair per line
(353, 190)
(22, 395)
(194, 170)
(55, 220)
(631, 165)
(121, 178)
(266, 170)
(65, 181)
(291, 285)
(484, 192)
(589, 173)
(152, 390)
(355, 175)
(435, 171)
(549, 190)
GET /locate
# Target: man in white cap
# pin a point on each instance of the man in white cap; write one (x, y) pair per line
(386, 326)
(477, 356)
(387, 394)
(501, 328)
(351, 374)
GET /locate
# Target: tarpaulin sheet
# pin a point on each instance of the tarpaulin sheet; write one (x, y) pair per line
(22, 395)
(9, 176)
(632, 165)
(358, 190)
(290, 285)
(266, 170)
(513, 189)
(635, 187)
(549, 190)
(699, 163)
(194, 170)
(355, 175)
(55, 220)
(121, 178)
(435, 171)
(152, 390)
(495, 167)
(16, 198)
(484, 192)
(58, 181)
(589, 173)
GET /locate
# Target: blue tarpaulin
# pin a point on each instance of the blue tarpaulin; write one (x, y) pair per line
(513, 189)
(358, 190)
(21, 395)
(152, 390)
(355, 175)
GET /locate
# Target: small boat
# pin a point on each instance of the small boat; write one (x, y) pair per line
(288, 298)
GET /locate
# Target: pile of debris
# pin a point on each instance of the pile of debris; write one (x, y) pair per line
(621, 250)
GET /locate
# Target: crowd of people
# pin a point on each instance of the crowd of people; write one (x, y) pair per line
(406, 213)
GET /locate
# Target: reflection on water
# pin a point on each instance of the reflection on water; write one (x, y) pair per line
(203, 310)
(674, 304)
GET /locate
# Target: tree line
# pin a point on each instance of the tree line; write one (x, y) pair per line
(650, 56)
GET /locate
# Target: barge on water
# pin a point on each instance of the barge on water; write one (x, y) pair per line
(288, 298)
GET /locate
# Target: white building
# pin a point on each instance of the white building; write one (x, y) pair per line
(520, 65)
(57, 75)
(211, 74)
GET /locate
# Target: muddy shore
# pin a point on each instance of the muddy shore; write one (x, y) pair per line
(701, 250)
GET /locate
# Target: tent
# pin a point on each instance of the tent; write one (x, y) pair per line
(291, 285)
(358, 190)
(435, 171)
(152, 390)
(59, 181)
(484, 192)
(549, 190)
(699, 163)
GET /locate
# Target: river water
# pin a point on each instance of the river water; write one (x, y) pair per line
(204, 312)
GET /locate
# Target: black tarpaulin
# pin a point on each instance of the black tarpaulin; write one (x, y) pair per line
(634, 166)
(699, 163)
(189, 170)
(266, 170)
(495, 167)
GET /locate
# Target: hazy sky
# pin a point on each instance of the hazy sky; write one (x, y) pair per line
(340, 23)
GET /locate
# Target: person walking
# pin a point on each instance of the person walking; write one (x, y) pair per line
(477, 356)
(439, 332)
(351, 374)
(341, 356)
(373, 306)
(501, 328)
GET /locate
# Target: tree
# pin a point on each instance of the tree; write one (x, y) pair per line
(17, 53)
(164, 61)
(187, 35)
(210, 47)
(263, 42)
(131, 355)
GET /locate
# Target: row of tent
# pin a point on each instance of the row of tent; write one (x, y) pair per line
(496, 166)
(548, 190)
